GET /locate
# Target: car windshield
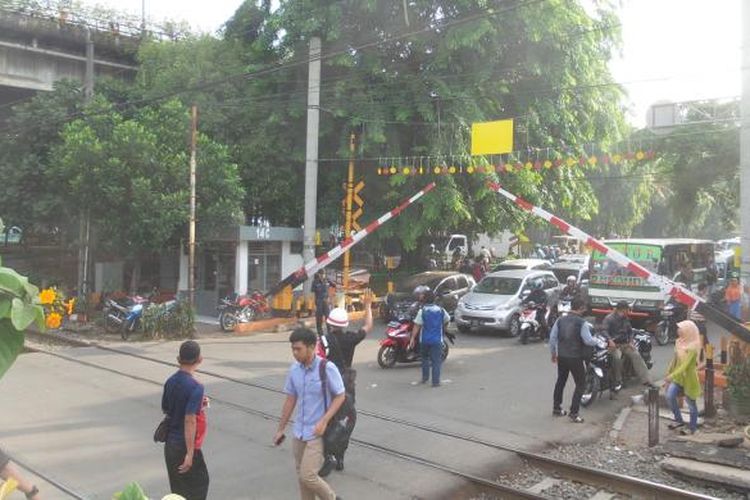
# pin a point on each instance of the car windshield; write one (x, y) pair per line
(562, 274)
(407, 285)
(575, 258)
(498, 286)
(508, 266)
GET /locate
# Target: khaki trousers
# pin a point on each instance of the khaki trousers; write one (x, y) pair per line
(641, 370)
(308, 459)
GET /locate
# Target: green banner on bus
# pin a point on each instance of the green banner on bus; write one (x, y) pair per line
(605, 272)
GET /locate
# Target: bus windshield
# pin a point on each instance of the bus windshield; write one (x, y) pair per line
(605, 272)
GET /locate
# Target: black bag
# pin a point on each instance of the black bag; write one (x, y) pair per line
(336, 436)
(160, 434)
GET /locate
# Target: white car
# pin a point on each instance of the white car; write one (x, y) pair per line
(495, 302)
(508, 265)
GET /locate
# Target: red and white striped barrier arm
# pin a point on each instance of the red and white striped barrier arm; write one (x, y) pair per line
(680, 293)
(310, 268)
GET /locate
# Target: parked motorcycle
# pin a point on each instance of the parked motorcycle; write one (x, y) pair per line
(394, 348)
(123, 316)
(235, 309)
(600, 376)
(530, 328)
(671, 314)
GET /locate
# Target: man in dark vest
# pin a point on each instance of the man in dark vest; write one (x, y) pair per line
(567, 338)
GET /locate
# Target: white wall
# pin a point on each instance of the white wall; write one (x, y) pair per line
(241, 265)
(290, 262)
(108, 276)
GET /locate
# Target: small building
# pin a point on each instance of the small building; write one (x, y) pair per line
(235, 259)
(238, 260)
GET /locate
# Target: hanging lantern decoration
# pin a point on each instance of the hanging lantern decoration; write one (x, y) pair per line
(515, 162)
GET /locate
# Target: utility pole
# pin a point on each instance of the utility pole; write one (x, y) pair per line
(745, 146)
(348, 215)
(311, 157)
(84, 232)
(191, 241)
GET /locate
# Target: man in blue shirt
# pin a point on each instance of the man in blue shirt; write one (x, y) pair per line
(431, 322)
(182, 401)
(304, 385)
(566, 341)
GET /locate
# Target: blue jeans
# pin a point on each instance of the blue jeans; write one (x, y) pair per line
(673, 391)
(431, 354)
(735, 309)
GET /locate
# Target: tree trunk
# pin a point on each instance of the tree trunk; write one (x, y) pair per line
(135, 276)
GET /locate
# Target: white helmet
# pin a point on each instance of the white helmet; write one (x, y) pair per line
(572, 279)
(338, 318)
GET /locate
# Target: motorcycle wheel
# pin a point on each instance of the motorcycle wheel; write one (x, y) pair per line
(110, 325)
(524, 337)
(515, 325)
(125, 330)
(590, 389)
(446, 349)
(387, 356)
(227, 320)
(662, 334)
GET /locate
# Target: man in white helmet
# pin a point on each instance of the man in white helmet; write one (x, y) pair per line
(340, 345)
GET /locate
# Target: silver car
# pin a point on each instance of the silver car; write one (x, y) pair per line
(496, 301)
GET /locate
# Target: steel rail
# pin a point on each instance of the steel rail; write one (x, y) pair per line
(46, 477)
(619, 483)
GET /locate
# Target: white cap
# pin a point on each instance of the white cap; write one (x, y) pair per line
(338, 318)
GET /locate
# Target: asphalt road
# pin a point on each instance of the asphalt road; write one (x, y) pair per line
(92, 429)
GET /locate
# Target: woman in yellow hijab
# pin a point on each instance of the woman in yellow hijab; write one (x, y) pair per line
(682, 374)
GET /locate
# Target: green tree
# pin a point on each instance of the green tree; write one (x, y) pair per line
(132, 174)
(698, 173)
(30, 197)
(544, 64)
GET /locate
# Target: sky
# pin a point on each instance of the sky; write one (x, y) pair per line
(673, 50)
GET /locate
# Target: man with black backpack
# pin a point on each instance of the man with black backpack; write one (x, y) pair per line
(317, 384)
(340, 346)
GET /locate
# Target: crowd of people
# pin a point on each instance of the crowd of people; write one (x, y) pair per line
(320, 385)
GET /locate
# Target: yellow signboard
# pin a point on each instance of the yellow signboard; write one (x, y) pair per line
(492, 138)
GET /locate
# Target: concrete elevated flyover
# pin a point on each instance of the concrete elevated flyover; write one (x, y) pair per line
(36, 51)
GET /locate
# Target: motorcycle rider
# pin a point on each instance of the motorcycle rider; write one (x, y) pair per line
(620, 333)
(340, 347)
(419, 294)
(571, 290)
(539, 298)
(566, 341)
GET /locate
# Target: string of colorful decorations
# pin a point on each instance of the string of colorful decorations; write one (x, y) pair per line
(508, 165)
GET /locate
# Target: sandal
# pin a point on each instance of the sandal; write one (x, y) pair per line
(675, 425)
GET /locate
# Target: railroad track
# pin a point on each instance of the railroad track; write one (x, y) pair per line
(67, 490)
(608, 484)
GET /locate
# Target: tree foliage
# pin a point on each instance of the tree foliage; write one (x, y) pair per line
(544, 64)
(132, 174)
(698, 176)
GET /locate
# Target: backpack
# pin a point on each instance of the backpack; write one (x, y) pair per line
(336, 436)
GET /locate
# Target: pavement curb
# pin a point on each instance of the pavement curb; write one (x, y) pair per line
(619, 423)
